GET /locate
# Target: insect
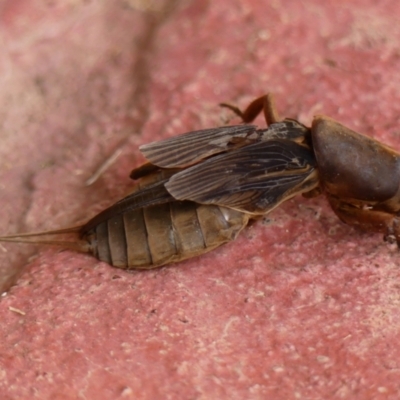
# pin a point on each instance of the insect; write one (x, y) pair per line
(200, 189)
(197, 192)
(359, 175)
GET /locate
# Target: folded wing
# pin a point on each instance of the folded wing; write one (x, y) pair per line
(252, 179)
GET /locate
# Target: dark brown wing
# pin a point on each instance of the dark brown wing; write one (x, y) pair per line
(189, 148)
(253, 179)
(192, 147)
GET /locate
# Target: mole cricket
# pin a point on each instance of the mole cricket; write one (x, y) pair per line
(200, 189)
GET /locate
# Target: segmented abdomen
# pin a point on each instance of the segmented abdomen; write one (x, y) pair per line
(157, 235)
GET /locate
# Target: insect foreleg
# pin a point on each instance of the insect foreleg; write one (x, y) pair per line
(367, 218)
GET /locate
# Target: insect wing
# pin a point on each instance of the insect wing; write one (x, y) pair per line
(289, 129)
(253, 179)
(189, 148)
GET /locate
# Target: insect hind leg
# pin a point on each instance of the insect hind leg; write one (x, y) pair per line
(265, 104)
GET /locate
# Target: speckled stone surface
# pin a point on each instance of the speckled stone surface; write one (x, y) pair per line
(299, 307)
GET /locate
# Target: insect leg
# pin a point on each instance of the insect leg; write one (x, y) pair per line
(312, 193)
(143, 170)
(368, 219)
(264, 103)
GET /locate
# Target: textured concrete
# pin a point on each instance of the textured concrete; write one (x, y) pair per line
(299, 307)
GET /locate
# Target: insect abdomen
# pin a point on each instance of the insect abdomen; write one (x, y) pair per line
(157, 235)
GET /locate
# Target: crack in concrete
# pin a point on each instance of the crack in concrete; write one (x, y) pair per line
(141, 77)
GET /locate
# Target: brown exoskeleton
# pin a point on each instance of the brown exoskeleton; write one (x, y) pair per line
(359, 175)
(198, 191)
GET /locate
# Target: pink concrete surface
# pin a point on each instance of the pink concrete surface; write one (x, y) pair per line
(299, 307)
